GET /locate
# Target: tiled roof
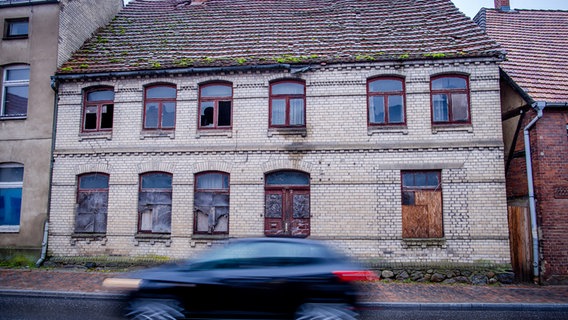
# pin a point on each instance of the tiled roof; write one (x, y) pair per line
(536, 42)
(151, 34)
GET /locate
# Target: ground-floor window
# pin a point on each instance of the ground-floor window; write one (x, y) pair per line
(287, 204)
(211, 201)
(155, 203)
(11, 182)
(422, 204)
(92, 203)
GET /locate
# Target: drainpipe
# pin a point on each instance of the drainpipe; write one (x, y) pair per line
(54, 86)
(539, 106)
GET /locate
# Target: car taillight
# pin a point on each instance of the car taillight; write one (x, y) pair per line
(361, 275)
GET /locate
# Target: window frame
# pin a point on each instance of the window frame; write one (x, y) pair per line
(449, 92)
(13, 185)
(98, 190)
(216, 101)
(438, 231)
(287, 98)
(160, 190)
(386, 96)
(14, 83)
(99, 104)
(217, 191)
(160, 102)
(7, 28)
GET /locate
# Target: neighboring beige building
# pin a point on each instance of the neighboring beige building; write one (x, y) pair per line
(38, 36)
(357, 122)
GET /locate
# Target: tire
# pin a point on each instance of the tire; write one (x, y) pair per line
(154, 309)
(325, 311)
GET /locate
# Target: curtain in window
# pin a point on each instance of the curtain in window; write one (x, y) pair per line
(296, 112)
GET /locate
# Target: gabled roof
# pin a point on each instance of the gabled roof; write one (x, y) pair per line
(536, 42)
(167, 34)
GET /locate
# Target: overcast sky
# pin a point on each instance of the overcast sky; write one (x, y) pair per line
(471, 7)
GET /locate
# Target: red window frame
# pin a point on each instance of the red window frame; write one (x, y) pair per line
(89, 190)
(287, 98)
(449, 92)
(216, 101)
(221, 191)
(99, 105)
(386, 95)
(160, 102)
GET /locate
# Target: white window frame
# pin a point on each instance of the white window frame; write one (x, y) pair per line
(13, 83)
(20, 184)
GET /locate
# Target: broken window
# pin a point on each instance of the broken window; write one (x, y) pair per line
(211, 203)
(160, 107)
(450, 99)
(215, 105)
(386, 101)
(15, 88)
(11, 182)
(155, 203)
(92, 203)
(422, 204)
(287, 104)
(287, 204)
(98, 110)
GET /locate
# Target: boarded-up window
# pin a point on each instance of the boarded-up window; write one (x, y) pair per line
(422, 204)
(92, 203)
(155, 203)
(211, 203)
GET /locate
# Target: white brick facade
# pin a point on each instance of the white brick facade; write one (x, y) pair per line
(355, 173)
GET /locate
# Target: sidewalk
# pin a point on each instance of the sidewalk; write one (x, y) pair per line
(523, 296)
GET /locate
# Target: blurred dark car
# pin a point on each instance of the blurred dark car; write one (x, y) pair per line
(250, 278)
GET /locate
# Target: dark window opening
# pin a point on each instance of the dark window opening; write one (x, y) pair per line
(99, 109)
(215, 105)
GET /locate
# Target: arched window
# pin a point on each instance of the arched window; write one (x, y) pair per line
(155, 202)
(160, 107)
(386, 97)
(98, 109)
(11, 183)
(92, 203)
(215, 105)
(15, 87)
(287, 204)
(450, 99)
(211, 202)
(288, 104)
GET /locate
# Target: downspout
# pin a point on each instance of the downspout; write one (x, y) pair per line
(54, 86)
(539, 106)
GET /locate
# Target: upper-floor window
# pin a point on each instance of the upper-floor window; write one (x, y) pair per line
(15, 87)
(98, 109)
(215, 105)
(160, 107)
(155, 203)
(450, 99)
(11, 182)
(16, 28)
(92, 203)
(287, 104)
(386, 101)
(211, 203)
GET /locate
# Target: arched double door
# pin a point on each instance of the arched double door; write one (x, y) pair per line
(287, 204)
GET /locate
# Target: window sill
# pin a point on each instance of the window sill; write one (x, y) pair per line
(157, 134)
(95, 135)
(88, 238)
(153, 238)
(210, 236)
(452, 128)
(424, 242)
(13, 117)
(9, 229)
(387, 129)
(287, 131)
(214, 133)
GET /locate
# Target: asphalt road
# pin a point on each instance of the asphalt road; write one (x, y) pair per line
(61, 307)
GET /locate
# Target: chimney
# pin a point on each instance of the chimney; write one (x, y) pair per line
(502, 5)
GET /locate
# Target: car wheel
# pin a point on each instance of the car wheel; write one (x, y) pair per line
(325, 311)
(154, 309)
